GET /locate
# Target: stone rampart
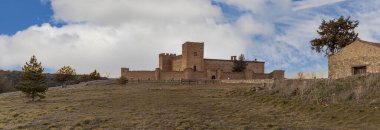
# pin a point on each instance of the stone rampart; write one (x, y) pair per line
(171, 75)
(250, 81)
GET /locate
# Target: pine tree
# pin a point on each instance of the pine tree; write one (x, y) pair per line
(66, 73)
(334, 35)
(95, 75)
(240, 64)
(33, 81)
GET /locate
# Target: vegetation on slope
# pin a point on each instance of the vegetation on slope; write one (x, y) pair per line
(108, 105)
(363, 89)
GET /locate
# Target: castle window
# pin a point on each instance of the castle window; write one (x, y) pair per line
(195, 68)
(195, 54)
(359, 70)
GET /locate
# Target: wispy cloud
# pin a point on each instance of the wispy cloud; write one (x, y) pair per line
(306, 4)
(295, 24)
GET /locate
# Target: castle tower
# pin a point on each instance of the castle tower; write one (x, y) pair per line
(192, 55)
(166, 61)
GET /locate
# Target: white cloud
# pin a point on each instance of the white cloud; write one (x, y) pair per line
(252, 5)
(265, 9)
(107, 35)
(249, 26)
(121, 11)
(368, 23)
(306, 4)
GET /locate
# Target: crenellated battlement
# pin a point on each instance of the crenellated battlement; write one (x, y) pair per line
(168, 54)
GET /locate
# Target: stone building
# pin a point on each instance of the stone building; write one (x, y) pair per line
(360, 57)
(192, 65)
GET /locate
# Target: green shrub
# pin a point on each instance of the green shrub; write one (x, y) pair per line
(95, 75)
(122, 80)
(65, 74)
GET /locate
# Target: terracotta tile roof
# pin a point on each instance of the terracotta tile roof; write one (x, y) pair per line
(370, 43)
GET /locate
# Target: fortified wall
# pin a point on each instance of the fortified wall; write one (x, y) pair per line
(198, 75)
(192, 65)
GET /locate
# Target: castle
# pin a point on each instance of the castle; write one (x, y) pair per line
(192, 65)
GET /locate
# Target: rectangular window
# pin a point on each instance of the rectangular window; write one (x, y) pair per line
(195, 53)
(359, 70)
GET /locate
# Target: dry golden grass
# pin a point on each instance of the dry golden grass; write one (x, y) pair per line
(104, 105)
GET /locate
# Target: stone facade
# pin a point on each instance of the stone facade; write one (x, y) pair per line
(360, 57)
(192, 65)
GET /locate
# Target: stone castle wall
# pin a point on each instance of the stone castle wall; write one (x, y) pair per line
(189, 74)
(214, 65)
(256, 67)
(250, 81)
(192, 65)
(193, 57)
(359, 53)
(171, 75)
(233, 75)
(227, 65)
(138, 75)
(177, 64)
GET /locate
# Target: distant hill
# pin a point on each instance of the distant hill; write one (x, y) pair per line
(9, 79)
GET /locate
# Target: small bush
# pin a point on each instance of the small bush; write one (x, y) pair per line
(95, 75)
(83, 78)
(122, 80)
(300, 75)
(65, 74)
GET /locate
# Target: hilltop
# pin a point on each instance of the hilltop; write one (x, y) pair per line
(107, 105)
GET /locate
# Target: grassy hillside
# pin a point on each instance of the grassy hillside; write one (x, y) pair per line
(105, 105)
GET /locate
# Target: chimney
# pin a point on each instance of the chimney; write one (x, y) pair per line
(233, 57)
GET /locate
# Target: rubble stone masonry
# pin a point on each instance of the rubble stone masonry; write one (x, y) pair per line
(360, 54)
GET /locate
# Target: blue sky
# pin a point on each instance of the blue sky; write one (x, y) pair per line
(21, 14)
(107, 35)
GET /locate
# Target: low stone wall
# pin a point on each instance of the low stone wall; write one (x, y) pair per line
(185, 82)
(233, 75)
(251, 81)
(198, 75)
(262, 76)
(140, 75)
(171, 75)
